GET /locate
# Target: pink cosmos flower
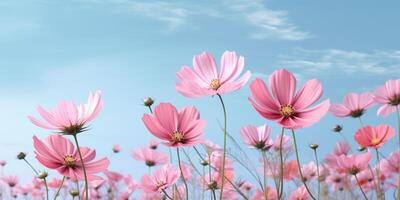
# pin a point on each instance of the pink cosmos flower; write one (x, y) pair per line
(341, 148)
(56, 183)
(290, 170)
(177, 128)
(113, 177)
(354, 105)
(392, 163)
(375, 137)
(288, 109)
(257, 137)
(57, 152)
(3, 163)
(286, 145)
(309, 171)
(365, 180)
(338, 181)
(150, 157)
(153, 144)
(69, 118)
(352, 164)
(162, 179)
(10, 180)
(299, 194)
(116, 148)
(205, 80)
(389, 96)
(245, 186)
(271, 194)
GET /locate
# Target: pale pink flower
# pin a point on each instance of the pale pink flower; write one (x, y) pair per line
(162, 179)
(392, 163)
(113, 176)
(150, 157)
(389, 96)
(290, 170)
(286, 145)
(245, 186)
(153, 144)
(341, 148)
(204, 79)
(299, 194)
(257, 137)
(210, 147)
(187, 171)
(177, 128)
(309, 171)
(259, 195)
(3, 163)
(69, 118)
(10, 180)
(151, 196)
(57, 152)
(55, 183)
(366, 180)
(353, 105)
(116, 148)
(373, 136)
(352, 164)
(338, 181)
(288, 109)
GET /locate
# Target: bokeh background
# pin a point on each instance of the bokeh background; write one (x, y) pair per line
(56, 50)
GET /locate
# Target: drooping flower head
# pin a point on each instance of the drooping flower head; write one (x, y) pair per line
(58, 153)
(373, 136)
(176, 128)
(288, 109)
(162, 179)
(354, 105)
(68, 118)
(204, 79)
(389, 96)
(150, 157)
(257, 137)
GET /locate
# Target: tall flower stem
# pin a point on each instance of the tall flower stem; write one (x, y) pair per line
(378, 185)
(264, 156)
(83, 167)
(183, 178)
(59, 188)
(318, 178)
(299, 166)
(280, 191)
(398, 125)
(224, 156)
(362, 191)
(37, 174)
(166, 194)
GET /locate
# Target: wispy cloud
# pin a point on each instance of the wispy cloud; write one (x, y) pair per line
(269, 24)
(341, 61)
(263, 22)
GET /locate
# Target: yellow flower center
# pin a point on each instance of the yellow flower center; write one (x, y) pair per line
(287, 110)
(69, 160)
(375, 141)
(215, 84)
(177, 136)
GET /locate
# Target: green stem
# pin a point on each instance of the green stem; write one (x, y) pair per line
(37, 174)
(224, 156)
(299, 166)
(204, 183)
(59, 188)
(183, 178)
(280, 191)
(166, 194)
(361, 122)
(151, 111)
(398, 129)
(264, 156)
(378, 188)
(362, 191)
(83, 167)
(318, 178)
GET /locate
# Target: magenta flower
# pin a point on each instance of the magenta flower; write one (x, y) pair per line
(352, 164)
(162, 179)
(58, 153)
(177, 128)
(205, 79)
(353, 105)
(389, 96)
(288, 109)
(69, 118)
(257, 137)
(150, 157)
(375, 137)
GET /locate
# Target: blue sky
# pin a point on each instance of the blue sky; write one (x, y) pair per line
(50, 51)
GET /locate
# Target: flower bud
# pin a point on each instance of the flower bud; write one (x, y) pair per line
(148, 101)
(314, 146)
(204, 162)
(42, 175)
(337, 128)
(74, 192)
(21, 155)
(361, 148)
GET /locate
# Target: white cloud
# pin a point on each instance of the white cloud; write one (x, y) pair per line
(265, 23)
(342, 61)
